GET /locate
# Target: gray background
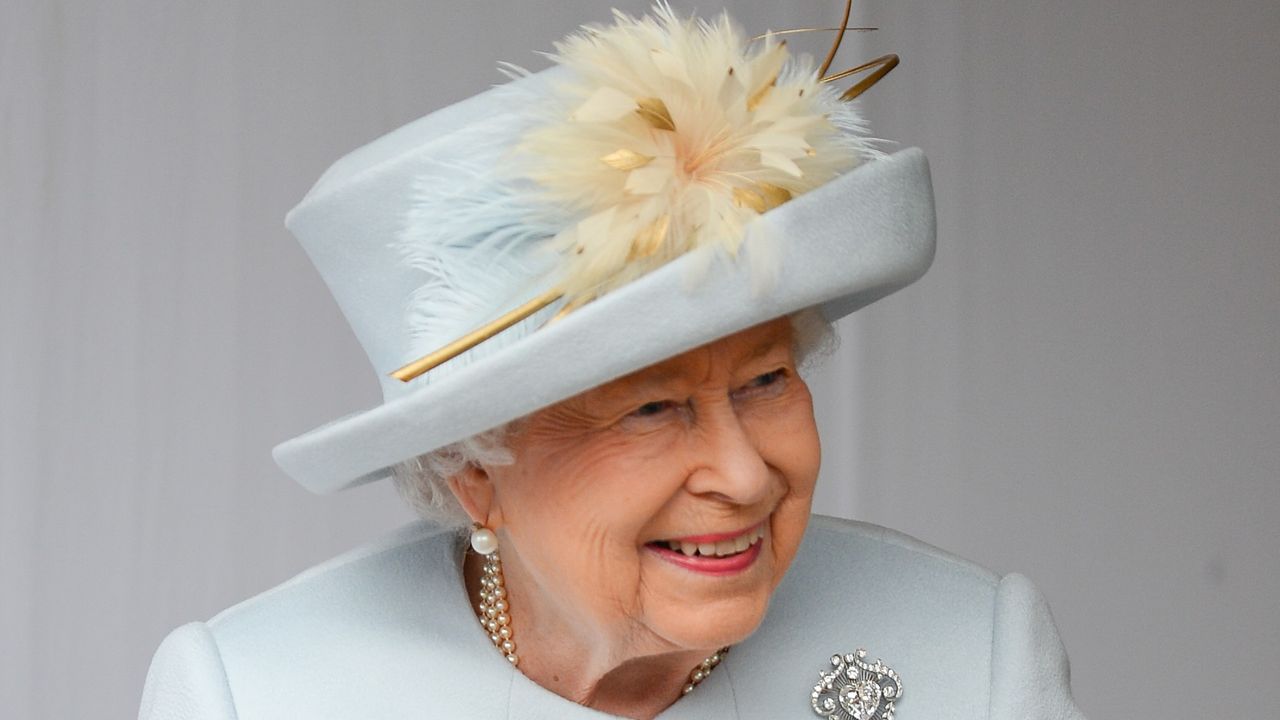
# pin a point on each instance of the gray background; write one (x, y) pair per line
(1084, 388)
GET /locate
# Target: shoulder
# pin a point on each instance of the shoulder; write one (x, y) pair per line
(378, 622)
(868, 548)
(374, 573)
(187, 679)
(965, 641)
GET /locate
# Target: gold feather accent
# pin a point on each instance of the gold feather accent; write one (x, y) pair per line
(835, 46)
(650, 239)
(772, 65)
(475, 337)
(774, 195)
(880, 67)
(761, 197)
(572, 305)
(757, 97)
(744, 197)
(655, 112)
(624, 159)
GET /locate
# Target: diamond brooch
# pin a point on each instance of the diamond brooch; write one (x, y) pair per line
(855, 689)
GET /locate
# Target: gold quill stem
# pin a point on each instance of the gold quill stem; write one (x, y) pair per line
(796, 31)
(882, 65)
(477, 336)
(835, 46)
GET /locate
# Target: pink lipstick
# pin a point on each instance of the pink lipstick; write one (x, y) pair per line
(713, 553)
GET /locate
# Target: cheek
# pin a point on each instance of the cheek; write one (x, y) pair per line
(576, 516)
(614, 483)
(787, 438)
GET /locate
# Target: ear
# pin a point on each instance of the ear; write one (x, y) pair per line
(474, 489)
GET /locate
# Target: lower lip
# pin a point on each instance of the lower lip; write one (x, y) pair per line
(729, 565)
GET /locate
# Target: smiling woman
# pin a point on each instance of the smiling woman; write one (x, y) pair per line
(632, 452)
(713, 452)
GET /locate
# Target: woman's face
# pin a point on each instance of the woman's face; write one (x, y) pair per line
(713, 452)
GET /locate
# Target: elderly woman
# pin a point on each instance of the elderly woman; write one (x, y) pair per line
(590, 295)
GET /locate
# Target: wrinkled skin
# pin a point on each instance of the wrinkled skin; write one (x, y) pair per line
(715, 440)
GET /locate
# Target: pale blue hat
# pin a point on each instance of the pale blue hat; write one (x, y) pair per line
(853, 240)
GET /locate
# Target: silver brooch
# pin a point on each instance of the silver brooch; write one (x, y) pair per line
(855, 689)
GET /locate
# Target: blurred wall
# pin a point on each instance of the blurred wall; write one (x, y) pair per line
(1084, 388)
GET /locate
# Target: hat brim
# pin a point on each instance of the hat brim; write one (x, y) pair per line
(844, 245)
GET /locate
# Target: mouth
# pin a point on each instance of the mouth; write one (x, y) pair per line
(718, 554)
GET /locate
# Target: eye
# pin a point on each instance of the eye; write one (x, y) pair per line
(764, 385)
(650, 409)
(769, 378)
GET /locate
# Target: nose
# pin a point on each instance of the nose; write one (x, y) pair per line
(730, 467)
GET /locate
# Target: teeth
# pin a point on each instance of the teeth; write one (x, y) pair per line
(722, 548)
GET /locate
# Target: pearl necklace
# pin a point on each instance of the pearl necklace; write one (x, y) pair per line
(495, 617)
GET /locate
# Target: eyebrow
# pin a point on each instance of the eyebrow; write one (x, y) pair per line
(767, 347)
(658, 376)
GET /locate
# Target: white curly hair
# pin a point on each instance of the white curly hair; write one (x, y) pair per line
(423, 481)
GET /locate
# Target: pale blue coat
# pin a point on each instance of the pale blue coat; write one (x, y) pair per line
(386, 632)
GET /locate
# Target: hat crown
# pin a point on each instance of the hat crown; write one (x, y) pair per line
(352, 222)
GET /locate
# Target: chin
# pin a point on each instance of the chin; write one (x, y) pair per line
(715, 624)
(710, 610)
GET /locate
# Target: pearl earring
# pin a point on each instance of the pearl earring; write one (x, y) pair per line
(493, 609)
(483, 540)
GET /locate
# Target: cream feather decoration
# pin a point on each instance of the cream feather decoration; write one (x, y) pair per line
(658, 136)
(675, 134)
